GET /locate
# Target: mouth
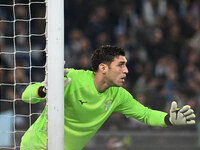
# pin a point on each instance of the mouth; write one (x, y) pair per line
(123, 79)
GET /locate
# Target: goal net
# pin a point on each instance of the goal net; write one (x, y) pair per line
(23, 49)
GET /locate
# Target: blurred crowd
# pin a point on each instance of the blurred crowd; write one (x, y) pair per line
(161, 39)
(162, 43)
(22, 59)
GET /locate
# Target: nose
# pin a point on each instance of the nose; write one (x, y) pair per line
(125, 70)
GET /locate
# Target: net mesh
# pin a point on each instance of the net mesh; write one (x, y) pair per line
(22, 59)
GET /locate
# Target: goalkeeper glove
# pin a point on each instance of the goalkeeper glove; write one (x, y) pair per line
(181, 116)
(68, 80)
(43, 89)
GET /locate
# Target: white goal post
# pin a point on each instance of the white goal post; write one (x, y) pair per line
(55, 65)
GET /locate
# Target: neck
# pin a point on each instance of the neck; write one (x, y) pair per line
(100, 83)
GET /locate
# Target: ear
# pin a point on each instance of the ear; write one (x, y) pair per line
(103, 67)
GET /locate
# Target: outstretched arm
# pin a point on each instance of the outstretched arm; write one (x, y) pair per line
(132, 108)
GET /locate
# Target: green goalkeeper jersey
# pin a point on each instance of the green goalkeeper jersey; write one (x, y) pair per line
(86, 110)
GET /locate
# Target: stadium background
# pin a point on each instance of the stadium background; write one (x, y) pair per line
(162, 42)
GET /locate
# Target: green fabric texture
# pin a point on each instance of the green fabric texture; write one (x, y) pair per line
(86, 110)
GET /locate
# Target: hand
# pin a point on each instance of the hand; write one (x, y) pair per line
(66, 82)
(182, 116)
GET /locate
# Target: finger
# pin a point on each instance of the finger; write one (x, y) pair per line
(191, 122)
(66, 71)
(190, 117)
(67, 81)
(173, 106)
(184, 108)
(189, 112)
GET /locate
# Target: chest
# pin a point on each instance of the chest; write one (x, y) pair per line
(87, 105)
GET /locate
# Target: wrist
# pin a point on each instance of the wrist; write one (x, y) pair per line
(167, 120)
(40, 92)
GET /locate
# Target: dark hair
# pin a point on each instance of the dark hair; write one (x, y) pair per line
(105, 54)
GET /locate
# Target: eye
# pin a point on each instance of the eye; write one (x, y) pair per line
(121, 65)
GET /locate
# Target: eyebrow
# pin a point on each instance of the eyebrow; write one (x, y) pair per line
(122, 62)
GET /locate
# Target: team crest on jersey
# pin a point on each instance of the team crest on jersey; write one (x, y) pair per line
(107, 104)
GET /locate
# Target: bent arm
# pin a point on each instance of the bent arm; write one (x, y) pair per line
(33, 94)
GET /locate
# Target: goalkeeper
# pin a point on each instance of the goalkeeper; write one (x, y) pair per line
(91, 97)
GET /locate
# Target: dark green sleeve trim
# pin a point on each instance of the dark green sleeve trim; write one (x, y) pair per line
(40, 92)
(167, 122)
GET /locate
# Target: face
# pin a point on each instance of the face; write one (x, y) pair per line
(116, 72)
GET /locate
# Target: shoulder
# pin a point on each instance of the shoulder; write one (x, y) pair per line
(78, 72)
(80, 75)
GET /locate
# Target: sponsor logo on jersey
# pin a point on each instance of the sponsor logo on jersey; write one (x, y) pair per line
(82, 102)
